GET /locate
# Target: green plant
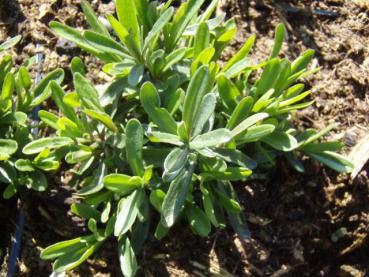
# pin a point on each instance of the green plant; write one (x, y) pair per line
(172, 137)
(19, 96)
(153, 38)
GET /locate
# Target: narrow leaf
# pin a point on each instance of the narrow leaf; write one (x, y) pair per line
(248, 122)
(176, 196)
(39, 145)
(128, 212)
(211, 139)
(134, 144)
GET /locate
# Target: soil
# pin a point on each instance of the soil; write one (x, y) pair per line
(312, 224)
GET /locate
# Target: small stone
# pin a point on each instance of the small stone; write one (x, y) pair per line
(350, 138)
(64, 46)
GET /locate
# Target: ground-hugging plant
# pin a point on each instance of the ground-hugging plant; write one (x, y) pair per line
(19, 95)
(171, 137)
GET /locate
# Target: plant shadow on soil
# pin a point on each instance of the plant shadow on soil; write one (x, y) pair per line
(10, 16)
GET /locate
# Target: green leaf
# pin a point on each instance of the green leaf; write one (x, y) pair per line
(121, 183)
(127, 15)
(248, 122)
(103, 118)
(77, 65)
(302, 62)
(236, 69)
(78, 156)
(213, 24)
(164, 138)
(263, 101)
(228, 92)
(8, 147)
(128, 211)
(295, 162)
(230, 174)
(181, 20)
(176, 196)
(241, 112)
(134, 144)
(119, 29)
(198, 220)
(280, 33)
(231, 205)
(174, 57)
(85, 211)
(87, 93)
(147, 13)
(198, 87)
(242, 54)
(92, 19)
(136, 75)
(206, 110)
(323, 146)
(73, 35)
(47, 164)
(64, 247)
(105, 214)
(255, 133)
(293, 91)
(320, 134)
(106, 45)
(71, 100)
(8, 175)
(208, 204)
(293, 100)
(155, 156)
(174, 163)
(150, 100)
(68, 128)
(14, 118)
(212, 138)
(8, 87)
(236, 157)
(334, 161)
(10, 43)
(239, 225)
(127, 258)
(49, 118)
(161, 231)
(10, 191)
(39, 145)
(209, 11)
(157, 198)
(204, 58)
(281, 141)
(157, 28)
(24, 165)
(97, 182)
(24, 78)
(42, 91)
(57, 96)
(202, 39)
(268, 77)
(37, 180)
(74, 259)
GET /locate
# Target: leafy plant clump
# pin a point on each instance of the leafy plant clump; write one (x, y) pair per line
(19, 96)
(173, 132)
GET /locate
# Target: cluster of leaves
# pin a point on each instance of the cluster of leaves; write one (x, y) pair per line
(174, 129)
(19, 96)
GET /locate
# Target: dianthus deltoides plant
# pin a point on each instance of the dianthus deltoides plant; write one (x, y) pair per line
(173, 133)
